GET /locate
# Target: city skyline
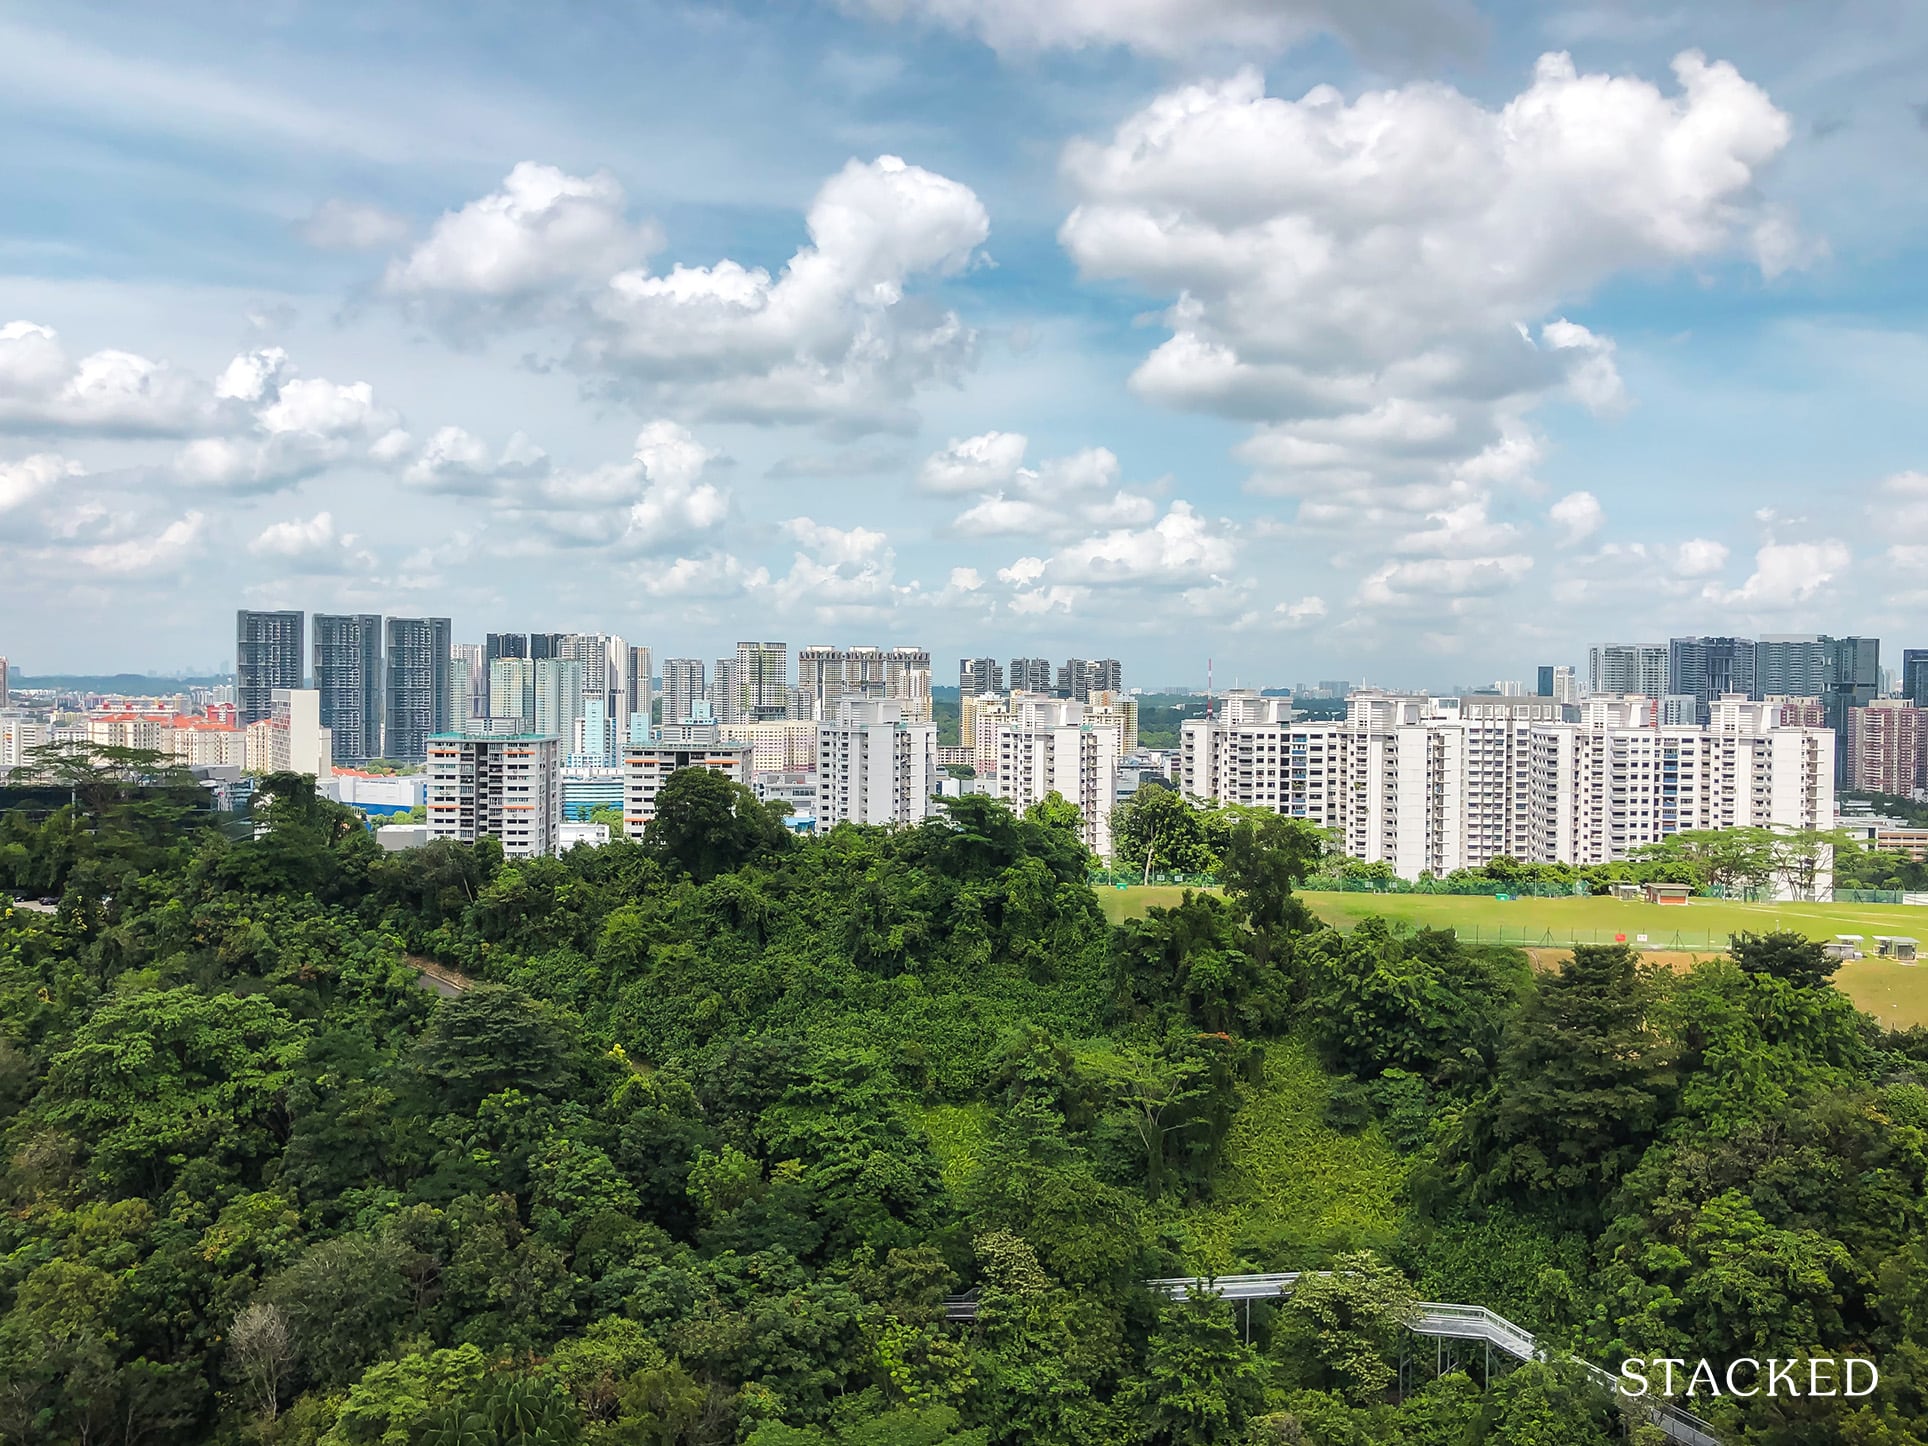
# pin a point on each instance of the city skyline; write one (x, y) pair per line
(831, 352)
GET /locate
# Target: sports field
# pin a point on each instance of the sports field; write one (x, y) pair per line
(1896, 994)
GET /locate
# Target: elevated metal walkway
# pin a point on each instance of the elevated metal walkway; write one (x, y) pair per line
(1440, 1320)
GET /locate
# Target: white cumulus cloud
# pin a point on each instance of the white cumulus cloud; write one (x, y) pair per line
(834, 337)
(1360, 276)
(31, 477)
(106, 393)
(1576, 517)
(543, 230)
(1786, 573)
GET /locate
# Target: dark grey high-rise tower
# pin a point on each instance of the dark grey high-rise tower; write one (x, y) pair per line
(977, 676)
(1706, 668)
(267, 655)
(1030, 675)
(419, 694)
(1791, 665)
(348, 674)
(1914, 676)
(1853, 681)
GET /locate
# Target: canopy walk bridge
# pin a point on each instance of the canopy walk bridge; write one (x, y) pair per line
(1441, 1321)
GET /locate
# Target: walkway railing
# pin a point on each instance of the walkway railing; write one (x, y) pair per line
(1438, 1319)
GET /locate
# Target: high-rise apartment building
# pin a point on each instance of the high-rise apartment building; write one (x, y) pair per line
(648, 766)
(726, 696)
(1914, 675)
(638, 695)
(1078, 763)
(468, 684)
(348, 675)
(1791, 665)
(684, 686)
(1080, 677)
(5, 697)
(505, 645)
(1707, 668)
(783, 745)
(512, 693)
(1628, 668)
(1853, 681)
(421, 695)
(268, 655)
(907, 679)
(505, 787)
(559, 698)
(1887, 748)
(605, 669)
(761, 681)
(545, 645)
(1030, 675)
(1439, 784)
(874, 765)
(1105, 708)
(829, 676)
(291, 739)
(979, 675)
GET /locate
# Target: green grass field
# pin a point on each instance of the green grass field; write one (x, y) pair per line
(1293, 1189)
(1896, 994)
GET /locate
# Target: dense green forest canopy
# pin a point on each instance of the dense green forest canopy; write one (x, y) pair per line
(722, 1117)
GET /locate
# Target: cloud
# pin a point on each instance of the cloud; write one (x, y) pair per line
(655, 500)
(338, 225)
(28, 479)
(1447, 583)
(1699, 557)
(456, 463)
(311, 546)
(174, 544)
(1576, 517)
(1360, 276)
(1178, 29)
(544, 230)
(106, 393)
(1062, 497)
(974, 464)
(833, 338)
(1462, 531)
(1182, 546)
(1786, 573)
(715, 575)
(282, 428)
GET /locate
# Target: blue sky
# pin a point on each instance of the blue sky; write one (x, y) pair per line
(1378, 347)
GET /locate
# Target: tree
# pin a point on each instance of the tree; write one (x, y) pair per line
(1800, 855)
(1584, 1083)
(1265, 856)
(1191, 962)
(1351, 1321)
(708, 825)
(1784, 954)
(1201, 1382)
(158, 1079)
(488, 1039)
(1158, 829)
(264, 1356)
(1722, 858)
(342, 1300)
